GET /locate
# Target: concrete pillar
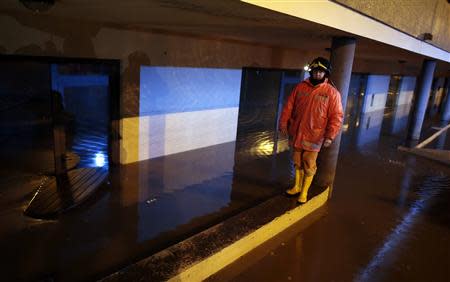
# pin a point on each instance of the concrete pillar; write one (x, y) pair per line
(422, 93)
(341, 59)
(445, 116)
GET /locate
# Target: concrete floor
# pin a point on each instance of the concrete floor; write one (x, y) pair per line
(388, 220)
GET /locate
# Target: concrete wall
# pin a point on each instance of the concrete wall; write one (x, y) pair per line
(376, 93)
(46, 35)
(182, 109)
(431, 16)
(406, 90)
(166, 134)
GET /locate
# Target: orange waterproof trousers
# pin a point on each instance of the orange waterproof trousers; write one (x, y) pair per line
(305, 160)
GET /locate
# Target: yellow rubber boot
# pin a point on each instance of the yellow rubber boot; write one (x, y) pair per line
(306, 184)
(298, 182)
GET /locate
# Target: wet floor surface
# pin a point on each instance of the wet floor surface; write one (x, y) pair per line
(148, 206)
(144, 208)
(388, 220)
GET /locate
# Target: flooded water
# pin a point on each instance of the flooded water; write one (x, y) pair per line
(389, 211)
(388, 220)
(144, 208)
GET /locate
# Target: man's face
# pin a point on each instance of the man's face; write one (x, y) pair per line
(318, 74)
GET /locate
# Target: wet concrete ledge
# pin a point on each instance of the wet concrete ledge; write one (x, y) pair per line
(207, 252)
(442, 156)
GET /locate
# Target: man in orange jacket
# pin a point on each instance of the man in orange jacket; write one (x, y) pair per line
(312, 117)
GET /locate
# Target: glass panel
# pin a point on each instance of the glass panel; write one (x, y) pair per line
(83, 91)
(25, 118)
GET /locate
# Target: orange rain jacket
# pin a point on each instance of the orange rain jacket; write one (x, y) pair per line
(311, 114)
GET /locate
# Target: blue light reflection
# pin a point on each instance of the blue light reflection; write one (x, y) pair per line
(99, 160)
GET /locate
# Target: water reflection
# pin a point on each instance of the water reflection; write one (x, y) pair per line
(369, 128)
(25, 117)
(89, 140)
(377, 104)
(398, 120)
(355, 97)
(99, 160)
(430, 188)
(85, 91)
(174, 190)
(441, 142)
(155, 203)
(27, 121)
(263, 148)
(406, 181)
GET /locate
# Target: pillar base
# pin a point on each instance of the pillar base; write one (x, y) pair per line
(411, 143)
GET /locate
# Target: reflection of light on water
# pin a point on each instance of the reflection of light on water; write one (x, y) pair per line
(99, 159)
(345, 127)
(283, 145)
(265, 147)
(262, 148)
(393, 241)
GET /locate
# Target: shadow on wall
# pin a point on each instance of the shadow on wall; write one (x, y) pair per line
(79, 42)
(48, 50)
(131, 83)
(152, 127)
(77, 35)
(129, 106)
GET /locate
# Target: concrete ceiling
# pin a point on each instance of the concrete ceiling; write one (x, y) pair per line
(225, 20)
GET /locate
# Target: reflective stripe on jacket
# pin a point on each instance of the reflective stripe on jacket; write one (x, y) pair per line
(311, 114)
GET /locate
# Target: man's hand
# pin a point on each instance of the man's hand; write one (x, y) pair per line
(327, 142)
(284, 131)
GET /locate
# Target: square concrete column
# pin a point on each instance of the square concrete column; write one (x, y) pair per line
(422, 93)
(341, 60)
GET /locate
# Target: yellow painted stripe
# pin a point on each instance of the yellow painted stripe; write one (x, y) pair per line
(223, 258)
